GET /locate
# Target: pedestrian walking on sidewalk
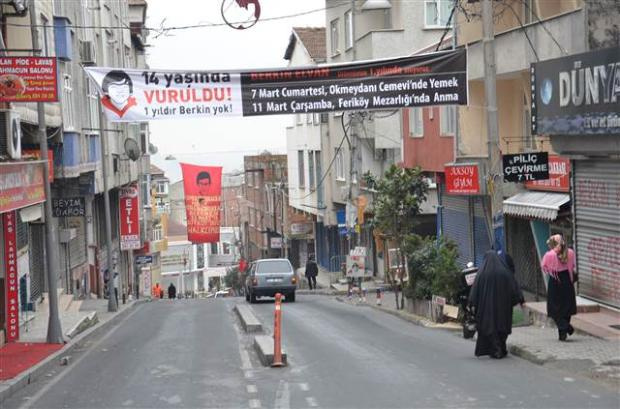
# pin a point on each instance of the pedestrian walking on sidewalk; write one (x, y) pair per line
(312, 270)
(559, 265)
(172, 291)
(494, 293)
(116, 287)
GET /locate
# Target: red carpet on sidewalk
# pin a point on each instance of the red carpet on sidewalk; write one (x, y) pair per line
(16, 357)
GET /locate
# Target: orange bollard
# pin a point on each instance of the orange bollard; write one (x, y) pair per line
(277, 330)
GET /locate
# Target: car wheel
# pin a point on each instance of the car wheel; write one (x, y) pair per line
(290, 297)
(252, 298)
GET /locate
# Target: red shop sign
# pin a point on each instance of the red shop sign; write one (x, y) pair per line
(130, 218)
(28, 79)
(462, 179)
(559, 174)
(9, 223)
(21, 185)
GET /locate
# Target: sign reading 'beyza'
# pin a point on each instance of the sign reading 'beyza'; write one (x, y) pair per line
(428, 79)
(577, 94)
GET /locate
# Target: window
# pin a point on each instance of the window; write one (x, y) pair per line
(339, 165)
(226, 248)
(416, 122)
(437, 12)
(213, 248)
(317, 118)
(447, 120)
(311, 178)
(309, 119)
(67, 97)
(158, 233)
(93, 104)
(300, 168)
(162, 188)
(348, 29)
(298, 120)
(333, 29)
(200, 256)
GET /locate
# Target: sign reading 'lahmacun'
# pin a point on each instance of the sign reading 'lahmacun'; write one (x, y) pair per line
(522, 167)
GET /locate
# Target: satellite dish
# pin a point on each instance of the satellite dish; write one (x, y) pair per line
(132, 150)
(152, 149)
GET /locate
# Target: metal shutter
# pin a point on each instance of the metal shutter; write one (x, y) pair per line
(37, 260)
(597, 228)
(482, 244)
(77, 246)
(457, 225)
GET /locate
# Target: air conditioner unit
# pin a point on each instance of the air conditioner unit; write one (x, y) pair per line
(87, 52)
(12, 133)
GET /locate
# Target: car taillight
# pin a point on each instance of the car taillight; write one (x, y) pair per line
(294, 280)
(254, 281)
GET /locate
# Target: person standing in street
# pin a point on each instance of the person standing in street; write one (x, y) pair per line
(312, 270)
(559, 265)
(494, 293)
(172, 291)
(116, 287)
(157, 290)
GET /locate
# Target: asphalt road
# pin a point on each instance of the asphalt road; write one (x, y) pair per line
(191, 353)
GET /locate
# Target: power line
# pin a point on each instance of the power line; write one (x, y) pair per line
(542, 24)
(524, 30)
(162, 30)
(448, 27)
(320, 182)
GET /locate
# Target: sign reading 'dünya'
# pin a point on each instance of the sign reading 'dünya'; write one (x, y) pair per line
(522, 167)
(144, 95)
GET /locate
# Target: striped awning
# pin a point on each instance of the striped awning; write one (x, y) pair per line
(535, 205)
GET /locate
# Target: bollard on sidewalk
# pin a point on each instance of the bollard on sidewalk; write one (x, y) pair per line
(277, 329)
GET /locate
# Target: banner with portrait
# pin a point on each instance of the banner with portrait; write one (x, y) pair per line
(129, 95)
(203, 194)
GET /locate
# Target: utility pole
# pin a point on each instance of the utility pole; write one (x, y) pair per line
(103, 144)
(494, 170)
(352, 142)
(54, 330)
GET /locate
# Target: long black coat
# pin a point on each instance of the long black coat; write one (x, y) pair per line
(493, 295)
(312, 270)
(172, 291)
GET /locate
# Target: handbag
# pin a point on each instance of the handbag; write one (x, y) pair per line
(575, 276)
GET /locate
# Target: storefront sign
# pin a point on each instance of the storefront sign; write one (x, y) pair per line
(9, 221)
(462, 179)
(301, 229)
(69, 207)
(578, 94)
(28, 79)
(559, 177)
(21, 185)
(203, 195)
(36, 153)
(341, 218)
(130, 218)
(427, 79)
(275, 242)
(521, 167)
(144, 259)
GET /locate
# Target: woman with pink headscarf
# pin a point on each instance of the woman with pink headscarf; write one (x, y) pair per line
(559, 264)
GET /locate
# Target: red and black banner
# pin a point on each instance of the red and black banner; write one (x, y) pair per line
(203, 194)
(9, 222)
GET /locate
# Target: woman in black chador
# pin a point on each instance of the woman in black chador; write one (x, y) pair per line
(493, 295)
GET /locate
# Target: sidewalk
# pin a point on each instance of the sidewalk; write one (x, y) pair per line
(596, 358)
(30, 358)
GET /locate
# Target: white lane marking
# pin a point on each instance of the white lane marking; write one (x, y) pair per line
(95, 345)
(252, 388)
(311, 402)
(567, 379)
(248, 374)
(254, 403)
(245, 359)
(283, 396)
(304, 387)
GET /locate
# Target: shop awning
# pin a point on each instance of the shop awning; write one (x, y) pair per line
(535, 205)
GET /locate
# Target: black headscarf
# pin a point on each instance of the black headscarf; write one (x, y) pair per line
(493, 294)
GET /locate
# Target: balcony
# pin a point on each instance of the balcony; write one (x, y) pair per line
(513, 53)
(78, 154)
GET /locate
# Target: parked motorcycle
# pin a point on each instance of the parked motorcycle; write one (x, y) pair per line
(468, 316)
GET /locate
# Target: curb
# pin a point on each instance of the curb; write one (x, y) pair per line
(11, 386)
(249, 322)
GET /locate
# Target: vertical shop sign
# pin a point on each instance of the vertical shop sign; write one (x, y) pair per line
(10, 261)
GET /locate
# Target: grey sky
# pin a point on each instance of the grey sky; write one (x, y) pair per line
(221, 141)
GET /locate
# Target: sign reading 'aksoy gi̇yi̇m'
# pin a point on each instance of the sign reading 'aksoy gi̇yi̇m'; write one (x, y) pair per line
(427, 79)
(462, 179)
(522, 167)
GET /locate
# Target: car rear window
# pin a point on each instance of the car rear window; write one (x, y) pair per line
(275, 266)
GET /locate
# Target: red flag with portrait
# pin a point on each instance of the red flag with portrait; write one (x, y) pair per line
(203, 193)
